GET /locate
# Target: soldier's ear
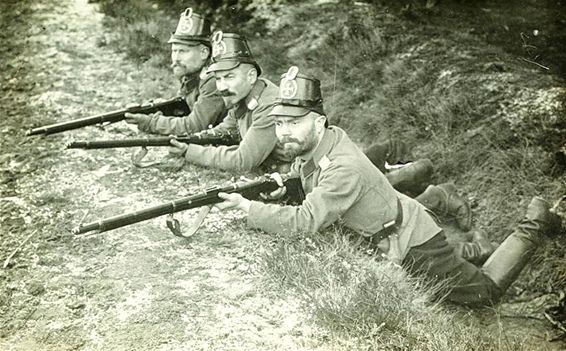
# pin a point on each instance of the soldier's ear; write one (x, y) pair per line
(204, 52)
(320, 123)
(252, 75)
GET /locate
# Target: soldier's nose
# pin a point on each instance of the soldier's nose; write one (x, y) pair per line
(283, 130)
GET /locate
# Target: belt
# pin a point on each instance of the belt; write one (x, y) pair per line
(389, 228)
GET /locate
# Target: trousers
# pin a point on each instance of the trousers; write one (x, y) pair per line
(463, 282)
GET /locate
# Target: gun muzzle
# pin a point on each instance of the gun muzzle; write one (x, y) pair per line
(85, 228)
(35, 131)
(75, 145)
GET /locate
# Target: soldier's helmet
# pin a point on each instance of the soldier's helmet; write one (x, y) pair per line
(192, 29)
(229, 50)
(299, 94)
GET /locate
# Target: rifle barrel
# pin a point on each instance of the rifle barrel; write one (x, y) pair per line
(199, 139)
(248, 189)
(168, 107)
(109, 144)
(111, 117)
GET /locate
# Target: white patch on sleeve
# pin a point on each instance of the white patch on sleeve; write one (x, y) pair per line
(388, 224)
(252, 104)
(324, 162)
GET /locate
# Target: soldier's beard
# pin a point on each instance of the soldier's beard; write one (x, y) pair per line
(180, 70)
(295, 147)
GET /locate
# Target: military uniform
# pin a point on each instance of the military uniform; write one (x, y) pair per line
(207, 108)
(249, 116)
(199, 89)
(343, 186)
(257, 130)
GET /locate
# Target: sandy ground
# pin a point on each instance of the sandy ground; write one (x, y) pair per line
(135, 288)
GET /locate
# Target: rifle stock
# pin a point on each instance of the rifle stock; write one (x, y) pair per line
(249, 189)
(206, 138)
(176, 106)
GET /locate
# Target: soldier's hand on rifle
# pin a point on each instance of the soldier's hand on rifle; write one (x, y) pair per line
(178, 148)
(233, 201)
(276, 194)
(136, 118)
(158, 100)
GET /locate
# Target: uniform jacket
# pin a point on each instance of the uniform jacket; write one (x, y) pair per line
(343, 186)
(207, 108)
(256, 128)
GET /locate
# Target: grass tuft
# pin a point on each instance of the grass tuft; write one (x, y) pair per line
(352, 293)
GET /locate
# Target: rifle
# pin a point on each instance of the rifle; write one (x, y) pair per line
(248, 188)
(202, 138)
(173, 107)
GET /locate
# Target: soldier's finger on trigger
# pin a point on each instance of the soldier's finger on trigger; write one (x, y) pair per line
(277, 194)
(175, 143)
(130, 118)
(278, 179)
(264, 196)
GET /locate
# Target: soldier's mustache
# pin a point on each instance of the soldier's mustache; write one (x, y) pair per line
(288, 140)
(176, 64)
(226, 93)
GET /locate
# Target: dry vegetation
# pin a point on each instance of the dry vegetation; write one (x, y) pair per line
(490, 121)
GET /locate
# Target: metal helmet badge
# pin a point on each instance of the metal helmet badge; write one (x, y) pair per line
(288, 88)
(186, 23)
(218, 45)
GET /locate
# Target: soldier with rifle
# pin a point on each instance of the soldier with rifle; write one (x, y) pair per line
(199, 102)
(250, 99)
(341, 184)
(190, 56)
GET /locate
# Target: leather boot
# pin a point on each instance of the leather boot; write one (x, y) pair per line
(476, 251)
(444, 200)
(391, 151)
(412, 178)
(509, 259)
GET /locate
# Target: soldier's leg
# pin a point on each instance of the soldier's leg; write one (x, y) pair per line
(472, 285)
(476, 251)
(413, 178)
(443, 199)
(438, 260)
(505, 264)
(391, 151)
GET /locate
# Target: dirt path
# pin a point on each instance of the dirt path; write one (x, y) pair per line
(137, 288)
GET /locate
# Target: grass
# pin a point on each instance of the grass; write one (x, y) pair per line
(352, 294)
(142, 30)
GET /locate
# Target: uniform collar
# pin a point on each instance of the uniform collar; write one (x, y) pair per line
(320, 152)
(204, 74)
(251, 101)
(189, 83)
